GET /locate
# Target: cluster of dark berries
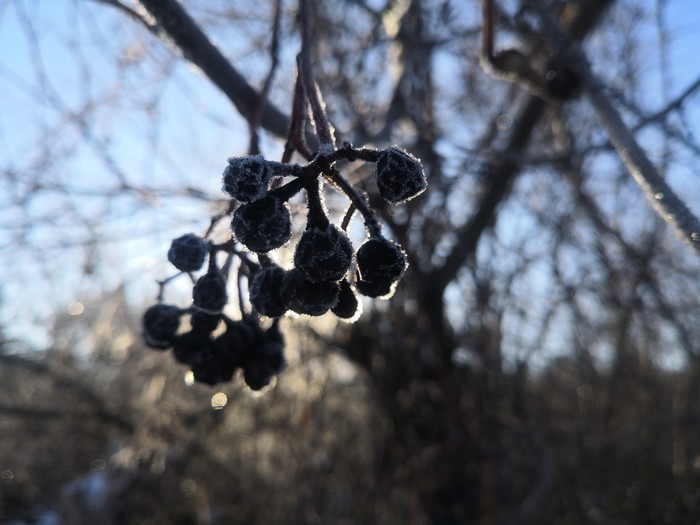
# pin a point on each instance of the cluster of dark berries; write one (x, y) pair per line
(214, 355)
(327, 273)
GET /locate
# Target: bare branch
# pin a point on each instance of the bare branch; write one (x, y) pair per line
(499, 170)
(174, 22)
(664, 200)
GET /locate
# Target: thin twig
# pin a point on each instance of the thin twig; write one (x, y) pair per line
(371, 222)
(296, 138)
(254, 122)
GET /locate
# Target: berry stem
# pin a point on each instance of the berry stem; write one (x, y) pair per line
(219, 216)
(347, 152)
(296, 139)
(317, 214)
(356, 199)
(239, 289)
(349, 214)
(163, 283)
(290, 189)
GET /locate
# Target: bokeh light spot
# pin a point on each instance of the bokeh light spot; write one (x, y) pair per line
(219, 400)
(76, 308)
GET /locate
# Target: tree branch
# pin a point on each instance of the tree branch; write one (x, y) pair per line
(175, 23)
(579, 18)
(306, 71)
(663, 199)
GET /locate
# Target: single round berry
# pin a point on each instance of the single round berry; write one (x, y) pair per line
(323, 254)
(307, 297)
(348, 307)
(381, 260)
(187, 253)
(263, 225)
(265, 288)
(160, 324)
(209, 292)
(246, 178)
(400, 175)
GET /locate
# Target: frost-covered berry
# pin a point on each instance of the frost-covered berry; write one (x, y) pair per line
(381, 260)
(160, 324)
(263, 225)
(323, 254)
(307, 297)
(265, 288)
(246, 178)
(209, 292)
(400, 175)
(348, 307)
(187, 252)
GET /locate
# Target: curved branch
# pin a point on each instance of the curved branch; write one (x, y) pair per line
(178, 26)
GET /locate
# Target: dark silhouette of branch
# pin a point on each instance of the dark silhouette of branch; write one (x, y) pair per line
(579, 18)
(173, 23)
(669, 206)
(323, 128)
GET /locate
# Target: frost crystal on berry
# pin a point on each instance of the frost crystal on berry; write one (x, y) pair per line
(160, 324)
(323, 254)
(400, 175)
(187, 252)
(246, 178)
(209, 292)
(263, 225)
